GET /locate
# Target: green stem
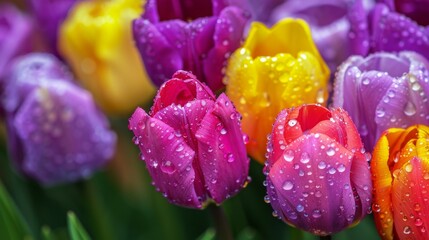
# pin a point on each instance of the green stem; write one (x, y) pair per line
(327, 237)
(223, 231)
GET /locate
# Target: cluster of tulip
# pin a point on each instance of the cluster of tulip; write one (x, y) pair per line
(325, 168)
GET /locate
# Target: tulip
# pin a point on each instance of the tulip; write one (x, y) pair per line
(382, 91)
(192, 143)
(197, 36)
(276, 68)
(15, 31)
(400, 174)
(318, 177)
(384, 29)
(50, 20)
(96, 40)
(56, 134)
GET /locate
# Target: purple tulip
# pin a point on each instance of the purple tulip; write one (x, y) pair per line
(15, 31)
(192, 143)
(50, 15)
(318, 177)
(383, 29)
(55, 132)
(197, 36)
(383, 91)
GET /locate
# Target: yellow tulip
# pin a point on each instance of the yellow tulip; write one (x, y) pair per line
(400, 176)
(276, 68)
(96, 40)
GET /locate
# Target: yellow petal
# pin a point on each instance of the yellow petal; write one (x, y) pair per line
(276, 68)
(382, 185)
(96, 40)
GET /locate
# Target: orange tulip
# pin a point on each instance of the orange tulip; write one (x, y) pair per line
(400, 175)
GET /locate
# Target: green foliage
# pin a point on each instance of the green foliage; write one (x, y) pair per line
(76, 230)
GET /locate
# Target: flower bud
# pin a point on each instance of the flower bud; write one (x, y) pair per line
(192, 143)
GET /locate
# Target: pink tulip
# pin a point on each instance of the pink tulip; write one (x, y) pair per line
(192, 143)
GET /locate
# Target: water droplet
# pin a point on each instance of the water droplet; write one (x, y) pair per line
(305, 158)
(417, 207)
(223, 131)
(376, 207)
(380, 112)
(168, 167)
(245, 138)
(366, 81)
(230, 158)
(292, 122)
(332, 171)
(321, 165)
(320, 97)
(203, 102)
(299, 208)
(180, 148)
(330, 151)
(341, 168)
(410, 109)
(418, 222)
(267, 199)
(287, 185)
(407, 230)
(288, 155)
(408, 168)
(317, 213)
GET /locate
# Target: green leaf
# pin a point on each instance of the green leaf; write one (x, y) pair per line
(76, 231)
(12, 225)
(47, 234)
(209, 234)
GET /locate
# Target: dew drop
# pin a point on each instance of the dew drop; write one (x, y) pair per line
(408, 168)
(168, 167)
(287, 185)
(180, 148)
(223, 131)
(407, 230)
(380, 112)
(316, 213)
(321, 165)
(305, 158)
(341, 168)
(299, 208)
(330, 151)
(230, 158)
(288, 156)
(366, 81)
(292, 122)
(410, 109)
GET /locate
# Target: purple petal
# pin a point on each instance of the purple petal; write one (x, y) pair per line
(394, 32)
(161, 59)
(416, 10)
(28, 73)
(314, 191)
(227, 36)
(63, 135)
(222, 153)
(361, 182)
(169, 159)
(359, 32)
(15, 31)
(51, 20)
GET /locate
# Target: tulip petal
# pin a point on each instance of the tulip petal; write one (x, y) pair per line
(359, 33)
(315, 178)
(161, 59)
(227, 37)
(174, 155)
(63, 111)
(392, 32)
(222, 155)
(382, 181)
(409, 200)
(180, 90)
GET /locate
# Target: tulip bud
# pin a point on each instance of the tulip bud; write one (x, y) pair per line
(317, 172)
(276, 68)
(387, 30)
(55, 132)
(383, 91)
(96, 40)
(400, 175)
(192, 143)
(15, 31)
(198, 36)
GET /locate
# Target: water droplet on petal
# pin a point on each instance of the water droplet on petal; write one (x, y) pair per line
(287, 185)
(292, 122)
(223, 131)
(321, 165)
(410, 109)
(288, 155)
(305, 158)
(317, 213)
(299, 208)
(180, 148)
(330, 151)
(168, 167)
(407, 230)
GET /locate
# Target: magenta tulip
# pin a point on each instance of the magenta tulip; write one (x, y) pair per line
(192, 143)
(318, 178)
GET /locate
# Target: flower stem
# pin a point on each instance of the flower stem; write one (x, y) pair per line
(327, 237)
(223, 231)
